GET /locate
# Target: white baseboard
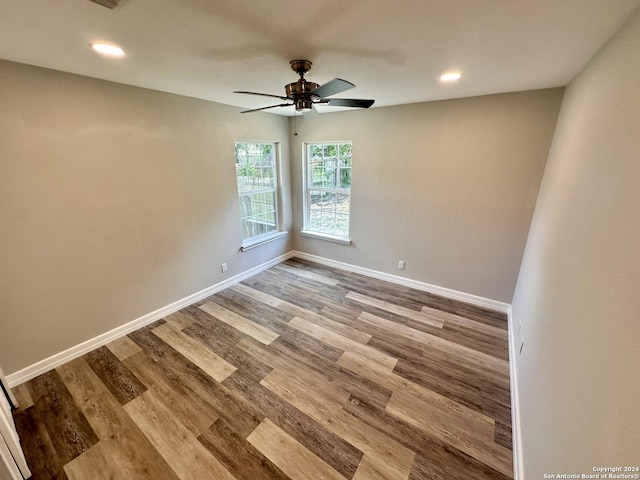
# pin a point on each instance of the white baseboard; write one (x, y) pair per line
(76, 351)
(516, 432)
(407, 282)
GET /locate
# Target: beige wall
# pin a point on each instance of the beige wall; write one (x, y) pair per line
(115, 201)
(578, 293)
(448, 186)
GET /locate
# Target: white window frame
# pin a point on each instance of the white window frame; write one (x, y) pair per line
(306, 194)
(252, 242)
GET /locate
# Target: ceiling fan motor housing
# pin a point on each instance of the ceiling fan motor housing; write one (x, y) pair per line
(300, 92)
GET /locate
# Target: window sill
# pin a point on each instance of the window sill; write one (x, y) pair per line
(324, 236)
(261, 240)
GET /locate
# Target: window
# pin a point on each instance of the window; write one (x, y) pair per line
(257, 177)
(327, 192)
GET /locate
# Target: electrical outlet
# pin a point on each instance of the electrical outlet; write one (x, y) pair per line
(521, 346)
(223, 267)
(519, 326)
(401, 264)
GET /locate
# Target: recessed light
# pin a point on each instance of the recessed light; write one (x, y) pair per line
(108, 49)
(450, 76)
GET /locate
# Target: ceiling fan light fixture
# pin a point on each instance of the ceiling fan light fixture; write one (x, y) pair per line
(304, 106)
(450, 77)
(107, 49)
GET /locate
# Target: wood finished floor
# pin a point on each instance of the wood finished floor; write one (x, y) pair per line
(300, 372)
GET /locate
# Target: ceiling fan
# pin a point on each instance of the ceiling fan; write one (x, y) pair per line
(304, 95)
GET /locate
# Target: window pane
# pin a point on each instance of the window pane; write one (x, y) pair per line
(315, 151)
(329, 150)
(330, 165)
(316, 173)
(255, 166)
(322, 173)
(345, 166)
(342, 214)
(329, 213)
(258, 212)
(345, 177)
(345, 151)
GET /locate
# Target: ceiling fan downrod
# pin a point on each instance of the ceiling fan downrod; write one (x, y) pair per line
(300, 91)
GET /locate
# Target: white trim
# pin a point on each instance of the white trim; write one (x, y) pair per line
(326, 236)
(5, 384)
(516, 431)
(7, 464)
(407, 282)
(13, 457)
(262, 239)
(76, 351)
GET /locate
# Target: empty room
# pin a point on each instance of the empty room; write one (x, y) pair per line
(334, 240)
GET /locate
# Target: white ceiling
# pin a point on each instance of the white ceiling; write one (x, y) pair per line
(393, 50)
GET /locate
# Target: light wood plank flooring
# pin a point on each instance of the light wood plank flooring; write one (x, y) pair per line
(300, 372)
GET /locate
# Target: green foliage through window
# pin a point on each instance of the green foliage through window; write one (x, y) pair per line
(328, 188)
(257, 187)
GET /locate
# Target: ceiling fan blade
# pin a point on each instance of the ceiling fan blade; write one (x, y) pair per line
(265, 95)
(337, 85)
(107, 3)
(265, 108)
(347, 102)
